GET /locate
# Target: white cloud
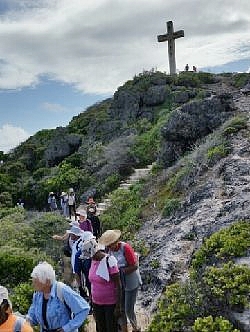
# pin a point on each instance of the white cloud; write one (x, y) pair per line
(11, 137)
(55, 108)
(99, 44)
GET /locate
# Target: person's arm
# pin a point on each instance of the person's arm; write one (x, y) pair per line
(116, 278)
(31, 317)
(60, 237)
(79, 308)
(131, 260)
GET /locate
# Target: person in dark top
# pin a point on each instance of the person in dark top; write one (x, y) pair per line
(95, 221)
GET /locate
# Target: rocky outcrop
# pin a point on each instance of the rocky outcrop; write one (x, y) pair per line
(191, 122)
(61, 145)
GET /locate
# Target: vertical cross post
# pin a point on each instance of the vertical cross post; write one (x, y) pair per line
(170, 36)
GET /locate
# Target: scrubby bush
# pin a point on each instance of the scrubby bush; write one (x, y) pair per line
(21, 297)
(210, 324)
(5, 199)
(240, 79)
(17, 264)
(171, 205)
(176, 310)
(233, 241)
(235, 124)
(229, 283)
(124, 213)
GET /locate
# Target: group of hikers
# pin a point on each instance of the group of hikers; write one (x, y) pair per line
(67, 202)
(105, 281)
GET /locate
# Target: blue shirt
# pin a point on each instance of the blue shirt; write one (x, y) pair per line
(58, 315)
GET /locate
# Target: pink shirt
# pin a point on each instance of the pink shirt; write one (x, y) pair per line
(103, 292)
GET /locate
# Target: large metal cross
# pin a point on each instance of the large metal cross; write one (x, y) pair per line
(170, 36)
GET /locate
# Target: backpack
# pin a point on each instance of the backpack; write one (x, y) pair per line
(59, 294)
(18, 324)
(66, 248)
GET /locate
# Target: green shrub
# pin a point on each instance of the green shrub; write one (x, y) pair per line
(16, 265)
(233, 241)
(21, 297)
(170, 207)
(207, 78)
(235, 124)
(177, 309)
(124, 213)
(229, 283)
(188, 79)
(44, 226)
(210, 324)
(241, 79)
(216, 153)
(5, 199)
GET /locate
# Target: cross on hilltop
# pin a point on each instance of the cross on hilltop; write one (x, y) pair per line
(170, 36)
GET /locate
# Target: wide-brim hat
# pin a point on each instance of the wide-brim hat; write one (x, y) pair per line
(109, 237)
(4, 295)
(75, 230)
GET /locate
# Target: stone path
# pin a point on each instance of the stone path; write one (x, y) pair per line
(137, 175)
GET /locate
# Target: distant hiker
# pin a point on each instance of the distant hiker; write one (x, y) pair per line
(72, 203)
(20, 203)
(187, 67)
(9, 321)
(90, 204)
(129, 270)
(194, 69)
(55, 306)
(84, 222)
(52, 201)
(105, 287)
(64, 198)
(95, 221)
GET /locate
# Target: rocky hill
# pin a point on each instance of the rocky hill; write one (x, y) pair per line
(194, 128)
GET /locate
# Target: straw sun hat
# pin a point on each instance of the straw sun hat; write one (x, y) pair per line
(109, 237)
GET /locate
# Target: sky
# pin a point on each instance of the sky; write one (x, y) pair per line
(57, 57)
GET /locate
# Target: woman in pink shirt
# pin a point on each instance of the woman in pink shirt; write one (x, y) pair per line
(105, 287)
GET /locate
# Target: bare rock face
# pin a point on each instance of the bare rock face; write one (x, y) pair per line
(218, 198)
(62, 145)
(191, 122)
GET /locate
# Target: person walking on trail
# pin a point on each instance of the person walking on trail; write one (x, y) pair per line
(105, 287)
(95, 221)
(55, 306)
(52, 201)
(64, 204)
(9, 321)
(81, 268)
(187, 67)
(129, 270)
(73, 240)
(72, 203)
(84, 222)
